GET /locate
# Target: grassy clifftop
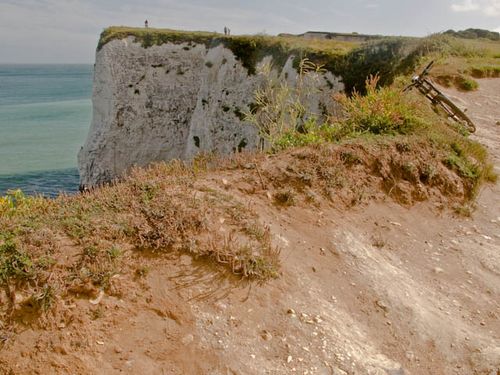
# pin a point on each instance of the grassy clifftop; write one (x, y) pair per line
(459, 61)
(249, 49)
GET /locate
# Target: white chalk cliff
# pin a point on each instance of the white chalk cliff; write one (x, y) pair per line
(173, 101)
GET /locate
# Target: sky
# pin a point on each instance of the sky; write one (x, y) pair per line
(67, 31)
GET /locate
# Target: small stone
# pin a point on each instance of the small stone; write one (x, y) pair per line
(118, 350)
(98, 299)
(61, 349)
(252, 355)
(291, 312)
(188, 339)
(438, 270)
(266, 335)
(382, 305)
(100, 342)
(225, 182)
(289, 359)
(317, 319)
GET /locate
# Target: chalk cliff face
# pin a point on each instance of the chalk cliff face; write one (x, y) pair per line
(172, 101)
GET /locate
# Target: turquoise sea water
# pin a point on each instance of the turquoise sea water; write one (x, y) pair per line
(45, 112)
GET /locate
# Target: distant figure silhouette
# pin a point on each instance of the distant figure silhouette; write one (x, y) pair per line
(228, 31)
(146, 24)
(225, 30)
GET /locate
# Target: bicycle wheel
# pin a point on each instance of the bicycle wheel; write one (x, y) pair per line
(455, 113)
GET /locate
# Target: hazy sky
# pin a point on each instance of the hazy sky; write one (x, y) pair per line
(67, 30)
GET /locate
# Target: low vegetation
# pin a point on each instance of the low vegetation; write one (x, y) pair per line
(475, 34)
(156, 212)
(380, 116)
(249, 49)
(456, 60)
(457, 57)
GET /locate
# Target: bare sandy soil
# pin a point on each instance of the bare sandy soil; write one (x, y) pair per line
(378, 289)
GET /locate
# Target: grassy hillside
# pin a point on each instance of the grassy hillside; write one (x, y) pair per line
(382, 145)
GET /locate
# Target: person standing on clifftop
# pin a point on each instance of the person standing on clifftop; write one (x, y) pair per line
(146, 24)
(225, 30)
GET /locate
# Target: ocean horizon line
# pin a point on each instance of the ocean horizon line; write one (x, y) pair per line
(42, 63)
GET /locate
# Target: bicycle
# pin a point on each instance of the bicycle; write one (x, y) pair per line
(431, 92)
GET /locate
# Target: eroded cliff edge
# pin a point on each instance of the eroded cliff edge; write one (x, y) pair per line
(181, 94)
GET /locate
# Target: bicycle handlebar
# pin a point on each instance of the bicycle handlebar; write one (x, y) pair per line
(427, 69)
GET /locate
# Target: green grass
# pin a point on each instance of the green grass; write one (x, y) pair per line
(15, 264)
(384, 114)
(467, 84)
(485, 71)
(380, 111)
(122, 230)
(249, 49)
(455, 58)
(388, 57)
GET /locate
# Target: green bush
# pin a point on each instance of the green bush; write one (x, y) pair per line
(467, 84)
(381, 111)
(311, 133)
(279, 111)
(14, 263)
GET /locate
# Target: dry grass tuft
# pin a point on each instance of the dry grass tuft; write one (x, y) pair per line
(285, 198)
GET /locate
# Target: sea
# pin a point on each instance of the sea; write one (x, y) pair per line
(45, 114)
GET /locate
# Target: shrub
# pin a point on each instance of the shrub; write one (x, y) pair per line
(311, 133)
(285, 198)
(380, 111)
(279, 110)
(467, 84)
(14, 263)
(16, 202)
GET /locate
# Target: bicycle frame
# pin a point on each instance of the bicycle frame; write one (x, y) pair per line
(436, 97)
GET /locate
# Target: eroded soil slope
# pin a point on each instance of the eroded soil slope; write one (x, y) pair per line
(380, 288)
